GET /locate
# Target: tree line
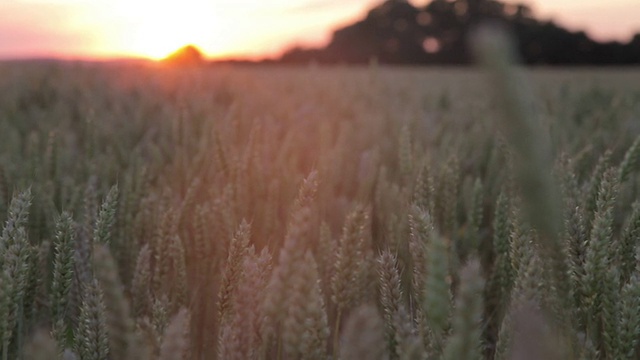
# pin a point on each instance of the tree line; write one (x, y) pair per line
(396, 32)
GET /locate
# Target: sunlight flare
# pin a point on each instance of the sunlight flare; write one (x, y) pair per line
(158, 30)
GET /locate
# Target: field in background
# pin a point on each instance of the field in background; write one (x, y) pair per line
(314, 213)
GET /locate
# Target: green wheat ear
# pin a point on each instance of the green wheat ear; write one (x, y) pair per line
(629, 321)
(305, 329)
(292, 251)
(390, 293)
(15, 264)
(63, 264)
(405, 157)
(18, 215)
(92, 335)
(162, 239)
(502, 276)
(352, 266)
(409, 344)
(631, 161)
(179, 289)
(465, 341)
(120, 325)
(437, 298)
(326, 252)
(420, 230)
(475, 218)
(423, 191)
(629, 241)
(141, 294)
(239, 336)
(83, 246)
(351, 260)
(599, 274)
(591, 201)
(233, 270)
(106, 217)
(159, 317)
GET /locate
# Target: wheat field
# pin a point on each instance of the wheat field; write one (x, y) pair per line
(318, 213)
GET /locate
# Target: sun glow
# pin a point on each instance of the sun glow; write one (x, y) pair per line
(155, 30)
(114, 29)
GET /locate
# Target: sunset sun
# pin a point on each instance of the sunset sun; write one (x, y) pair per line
(158, 31)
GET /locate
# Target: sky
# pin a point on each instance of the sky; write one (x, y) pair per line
(103, 29)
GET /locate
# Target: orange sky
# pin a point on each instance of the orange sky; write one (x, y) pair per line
(119, 28)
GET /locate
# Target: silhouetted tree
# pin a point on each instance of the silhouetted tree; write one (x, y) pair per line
(396, 32)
